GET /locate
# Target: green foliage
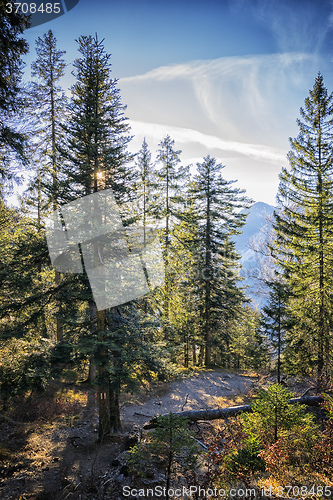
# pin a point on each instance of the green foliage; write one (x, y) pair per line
(45, 108)
(170, 447)
(94, 148)
(328, 404)
(12, 48)
(25, 366)
(218, 216)
(276, 317)
(303, 225)
(278, 441)
(272, 415)
(247, 459)
(296, 451)
(246, 345)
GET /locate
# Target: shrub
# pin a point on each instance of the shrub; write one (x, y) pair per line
(170, 447)
(272, 415)
(277, 437)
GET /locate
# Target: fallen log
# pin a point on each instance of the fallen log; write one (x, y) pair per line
(232, 411)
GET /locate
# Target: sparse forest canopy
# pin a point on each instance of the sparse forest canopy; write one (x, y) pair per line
(79, 146)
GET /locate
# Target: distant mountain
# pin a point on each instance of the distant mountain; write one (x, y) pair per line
(256, 230)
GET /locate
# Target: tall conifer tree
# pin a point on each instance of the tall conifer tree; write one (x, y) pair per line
(170, 177)
(47, 101)
(12, 48)
(96, 159)
(275, 318)
(219, 217)
(304, 226)
(46, 107)
(146, 187)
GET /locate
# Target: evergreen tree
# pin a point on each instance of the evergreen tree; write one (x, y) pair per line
(219, 218)
(184, 300)
(46, 101)
(146, 187)
(304, 226)
(275, 317)
(46, 109)
(247, 345)
(169, 178)
(144, 206)
(96, 159)
(97, 136)
(12, 48)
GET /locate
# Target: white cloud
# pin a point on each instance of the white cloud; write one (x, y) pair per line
(252, 99)
(254, 166)
(156, 132)
(240, 110)
(296, 26)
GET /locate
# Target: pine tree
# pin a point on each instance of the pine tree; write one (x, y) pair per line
(12, 48)
(184, 297)
(96, 159)
(169, 178)
(97, 136)
(46, 108)
(275, 317)
(304, 226)
(219, 218)
(47, 101)
(146, 187)
(247, 344)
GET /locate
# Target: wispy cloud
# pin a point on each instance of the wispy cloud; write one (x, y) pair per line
(256, 167)
(252, 99)
(155, 132)
(298, 25)
(240, 110)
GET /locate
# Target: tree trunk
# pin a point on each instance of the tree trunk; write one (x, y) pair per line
(219, 413)
(201, 355)
(92, 311)
(194, 354)
(115, 389)
(115, 423)
(103, 381)
(92, 374)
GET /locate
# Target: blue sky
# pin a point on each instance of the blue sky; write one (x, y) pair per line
(225, 78)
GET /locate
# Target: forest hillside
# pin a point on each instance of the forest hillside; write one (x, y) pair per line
(124, 297)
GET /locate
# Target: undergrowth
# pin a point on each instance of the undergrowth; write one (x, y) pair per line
(277, 444)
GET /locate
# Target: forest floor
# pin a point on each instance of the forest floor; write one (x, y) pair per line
(56, 454)
(204, 389)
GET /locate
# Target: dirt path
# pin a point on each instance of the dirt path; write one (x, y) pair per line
(56, 460)
(205, 389)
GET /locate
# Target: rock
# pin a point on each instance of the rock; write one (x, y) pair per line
(120, 478)
(124, 470)
(131, 440)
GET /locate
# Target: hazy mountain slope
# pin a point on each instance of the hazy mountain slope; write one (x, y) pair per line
(256, 229)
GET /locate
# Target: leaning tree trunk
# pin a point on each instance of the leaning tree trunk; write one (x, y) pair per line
(219, 413)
